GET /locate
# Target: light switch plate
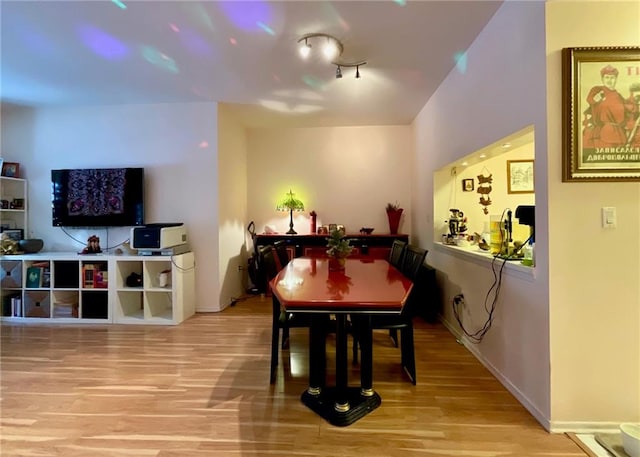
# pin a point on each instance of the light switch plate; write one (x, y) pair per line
(609, 217)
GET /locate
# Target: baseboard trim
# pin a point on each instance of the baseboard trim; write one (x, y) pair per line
(584, 427)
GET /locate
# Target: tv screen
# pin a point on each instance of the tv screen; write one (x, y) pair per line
(98, 197)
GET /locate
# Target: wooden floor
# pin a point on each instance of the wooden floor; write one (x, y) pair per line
(202, 389)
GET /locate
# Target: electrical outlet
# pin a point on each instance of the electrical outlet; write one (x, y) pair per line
(240, 268)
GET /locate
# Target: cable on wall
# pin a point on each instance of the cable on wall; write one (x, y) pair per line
(494, 292)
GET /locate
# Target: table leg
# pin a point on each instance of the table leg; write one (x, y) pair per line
(317, 355)
(342, 404)
(366, 361)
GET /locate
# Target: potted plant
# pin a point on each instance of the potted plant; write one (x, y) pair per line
(394, 212)
(338, 249)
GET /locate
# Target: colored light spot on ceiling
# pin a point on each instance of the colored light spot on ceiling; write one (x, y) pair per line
(247, 15)
(233, 41)
(266, 28)
(160, 60)
(460, 58)
(174, 28)
(400, 2)
(203, 144)
(119, 4)
(195, 43)
(312, 82)
(199, 13)
(102, 44)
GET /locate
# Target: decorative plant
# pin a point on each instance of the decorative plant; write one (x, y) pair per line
(393, 207)
(338, 245)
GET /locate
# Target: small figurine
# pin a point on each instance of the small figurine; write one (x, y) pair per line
(8, 245)
(93, 246)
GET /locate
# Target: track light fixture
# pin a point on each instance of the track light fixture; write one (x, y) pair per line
(331, 48)
(341, 65)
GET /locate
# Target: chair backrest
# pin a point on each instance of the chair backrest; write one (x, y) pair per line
(281, 252)
(268, 262)
(397, 251)
(412, 260)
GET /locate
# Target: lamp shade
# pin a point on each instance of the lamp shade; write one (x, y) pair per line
(290, 203)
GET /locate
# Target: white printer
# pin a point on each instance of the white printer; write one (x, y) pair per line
(158, 236)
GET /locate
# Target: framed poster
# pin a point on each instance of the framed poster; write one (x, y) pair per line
(520, 177)
(601, 114)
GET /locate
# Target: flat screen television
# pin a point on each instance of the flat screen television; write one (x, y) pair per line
(97, 197)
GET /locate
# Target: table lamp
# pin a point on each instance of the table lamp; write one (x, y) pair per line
(290, 203)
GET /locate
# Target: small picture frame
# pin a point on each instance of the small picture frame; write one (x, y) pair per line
(11, 169)
(467, 185)
(14, 234)
(520, 177)
(333, 228)
(323, 230)
(17, 203)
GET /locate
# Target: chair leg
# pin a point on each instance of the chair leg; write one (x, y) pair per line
(393, 333)
(285, 337)
(408, 352)
(275, 336)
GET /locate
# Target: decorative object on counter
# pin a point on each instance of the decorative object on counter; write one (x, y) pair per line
(11, 169)
(31, 246)
(366, 230)
(93, 246)
(8, 245)
(457, 222)
(484, 188)
(313, 216)
(394, 213)
(290, 203)
(323, 230)
(467, 185)
(338, 250)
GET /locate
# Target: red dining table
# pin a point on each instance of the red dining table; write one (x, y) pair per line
(363, 288)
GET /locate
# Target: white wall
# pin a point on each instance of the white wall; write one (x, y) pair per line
(232, 201)
(347, 175)
(175, 143)
(501, 90)
(594, 272)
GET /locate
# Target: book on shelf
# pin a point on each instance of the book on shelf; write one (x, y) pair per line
(88, 274)
(34, 277)
(16, 306)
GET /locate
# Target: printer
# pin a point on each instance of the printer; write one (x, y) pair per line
(158, 236)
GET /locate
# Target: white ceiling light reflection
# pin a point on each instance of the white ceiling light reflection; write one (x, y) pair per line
(283, 107)
(299, 94)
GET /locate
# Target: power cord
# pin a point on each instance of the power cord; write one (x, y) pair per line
(477, 336)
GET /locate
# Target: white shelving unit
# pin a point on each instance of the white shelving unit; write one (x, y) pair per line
(67, 287)
(151, 303)
(11, 191)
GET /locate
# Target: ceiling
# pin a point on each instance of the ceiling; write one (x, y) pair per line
(242, 53)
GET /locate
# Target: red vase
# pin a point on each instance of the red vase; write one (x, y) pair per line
(394, 220)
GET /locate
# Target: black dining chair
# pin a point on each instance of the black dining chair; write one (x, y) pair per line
(282, 255)
(397, 253)
(281, 320)
(413, 260)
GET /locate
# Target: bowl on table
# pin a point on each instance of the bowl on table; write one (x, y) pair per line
(31, 246)
(631, 439)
